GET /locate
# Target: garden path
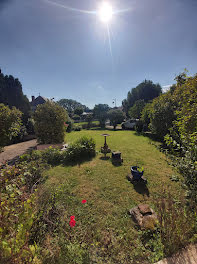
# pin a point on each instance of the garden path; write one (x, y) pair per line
(11, 152)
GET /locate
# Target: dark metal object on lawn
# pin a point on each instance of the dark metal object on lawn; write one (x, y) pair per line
(105, 149)
(116, 158)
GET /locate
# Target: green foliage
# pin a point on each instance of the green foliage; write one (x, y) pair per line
(145, 116)
(49, 123)
(11, 94)
(100, 112)
(30, 126)
(10, 124)
(17, 211)
(162, 114)
(182, 137)
(151, 240)
(136, 109)
(115, 116)
(82, 149)
(72, 105)
(78, 111)
(76, 117)
(146, 91)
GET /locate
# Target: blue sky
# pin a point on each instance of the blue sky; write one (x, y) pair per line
(62, 53)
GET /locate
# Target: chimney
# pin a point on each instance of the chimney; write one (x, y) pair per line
(33, 98)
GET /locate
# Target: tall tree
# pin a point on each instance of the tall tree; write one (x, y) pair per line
(71, 105)
(146, 91)
(11, 94)
(116, 116)
(136, 110)
(100, 112)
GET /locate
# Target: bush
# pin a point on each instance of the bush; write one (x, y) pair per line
(10, 124)
(30, 126)
(20, 137)
(69, 126)
(82, 149)
(52, 156)
(49, 123)
(139, 126)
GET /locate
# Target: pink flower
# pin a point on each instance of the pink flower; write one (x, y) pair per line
(72, 217)
(84, 201)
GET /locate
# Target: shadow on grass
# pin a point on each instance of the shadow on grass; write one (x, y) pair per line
(139, 187)
(104, 158)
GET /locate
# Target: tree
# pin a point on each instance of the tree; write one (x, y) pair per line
(146, 91)
(78, 111)
(162, 115)
(10, 124)
(115, 116)
(71, 105)
(11, 94)
(50, 121)
(136, 110)
(100, 112)
(89, 119)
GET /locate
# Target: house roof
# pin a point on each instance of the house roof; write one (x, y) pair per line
(39, 100)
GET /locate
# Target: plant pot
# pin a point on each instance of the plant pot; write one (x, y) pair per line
(137, 175)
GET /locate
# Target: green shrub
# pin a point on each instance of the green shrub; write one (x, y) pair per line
(84, 148)
(49, 123)
(52, 156)
(139, 126)
(10, 124)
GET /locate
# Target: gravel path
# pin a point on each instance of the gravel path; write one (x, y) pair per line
(11, 152)
(185, 256)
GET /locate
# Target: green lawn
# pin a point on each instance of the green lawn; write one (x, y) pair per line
(85, 123)
(104, 232)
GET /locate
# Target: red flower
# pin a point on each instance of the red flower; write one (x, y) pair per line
(72, 217)
(84, 201)
(72, 222)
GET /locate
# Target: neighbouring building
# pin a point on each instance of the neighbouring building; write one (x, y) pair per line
(37, 101)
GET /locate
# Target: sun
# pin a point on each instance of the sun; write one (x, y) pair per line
(105, 12)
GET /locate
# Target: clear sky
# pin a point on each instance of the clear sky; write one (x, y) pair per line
(63, 53)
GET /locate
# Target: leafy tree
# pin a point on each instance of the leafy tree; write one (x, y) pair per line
(89, 119)
(162, 115)
(11, 94)
(10, 124)
(182, 136)
(136, 109)
(115, 116)
(146, 91)
(78, 111)
(100, 112)
(71, 105)
(49, 123)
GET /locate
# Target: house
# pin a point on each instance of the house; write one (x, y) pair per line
(37, 101)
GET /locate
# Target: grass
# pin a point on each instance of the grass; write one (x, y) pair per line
(104, 232)
(85, 123)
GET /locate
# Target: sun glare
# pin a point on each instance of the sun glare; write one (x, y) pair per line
(105, 12)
